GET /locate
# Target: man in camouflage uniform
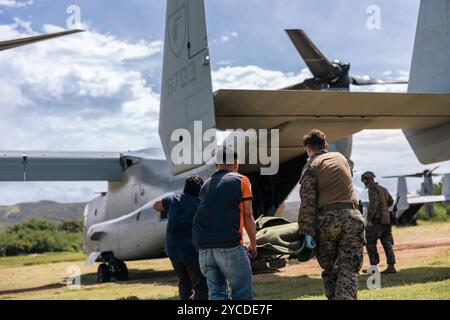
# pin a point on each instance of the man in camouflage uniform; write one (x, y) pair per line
(379, 201)
(329, 214)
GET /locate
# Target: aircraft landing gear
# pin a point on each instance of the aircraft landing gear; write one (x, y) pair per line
(270, 265)
(277, 263)
(119, 270)
(103, 273)
(115, 268)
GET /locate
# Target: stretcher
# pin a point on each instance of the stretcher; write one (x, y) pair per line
(276, 240)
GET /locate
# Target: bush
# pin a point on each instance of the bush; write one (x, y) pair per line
(38, 236)
(74, 226)
(441, 213)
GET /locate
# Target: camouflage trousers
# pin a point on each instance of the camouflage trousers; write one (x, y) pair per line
(384, 234)
(340, 243)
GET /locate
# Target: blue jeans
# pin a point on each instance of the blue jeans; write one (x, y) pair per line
(222, 265)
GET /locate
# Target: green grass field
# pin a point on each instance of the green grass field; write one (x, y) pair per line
(423, 261)
(426, 280)
(31, 260)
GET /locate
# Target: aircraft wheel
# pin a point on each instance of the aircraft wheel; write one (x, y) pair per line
(121, 270)
(277, 263)
(103, 273)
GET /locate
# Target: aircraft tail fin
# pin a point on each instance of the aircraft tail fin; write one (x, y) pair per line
(402, 193)
(446, 187)
(430, 73)
(186, 90)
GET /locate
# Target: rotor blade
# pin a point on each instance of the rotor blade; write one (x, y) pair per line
(319, 65)
(9, 44)
(415, 175)
(434, 169)
(368, 80)
(308, 84)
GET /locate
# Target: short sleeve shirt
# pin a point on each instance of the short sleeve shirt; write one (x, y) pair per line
(219, 221)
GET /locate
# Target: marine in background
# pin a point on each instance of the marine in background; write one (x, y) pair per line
(379, 224)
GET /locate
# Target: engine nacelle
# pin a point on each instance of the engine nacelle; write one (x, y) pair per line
(138, 235)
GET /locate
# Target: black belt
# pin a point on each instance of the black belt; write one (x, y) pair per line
(338, 206)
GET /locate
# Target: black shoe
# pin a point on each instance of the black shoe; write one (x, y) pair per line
(390, 269)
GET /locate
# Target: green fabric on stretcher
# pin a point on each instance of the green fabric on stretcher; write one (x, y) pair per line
(278, 236)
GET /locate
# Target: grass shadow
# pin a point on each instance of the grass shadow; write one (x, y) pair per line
(410, 276)
(275, 287)
(165, 277)
(286, 288)
(157, 277)
(52, 286)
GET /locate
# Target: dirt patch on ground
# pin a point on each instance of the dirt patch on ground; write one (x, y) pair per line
(423, 245)
(407, 253)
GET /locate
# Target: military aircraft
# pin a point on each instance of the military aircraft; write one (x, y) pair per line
(121, 225)
(409, 204)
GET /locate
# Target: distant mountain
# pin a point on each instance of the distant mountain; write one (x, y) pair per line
(46, 210)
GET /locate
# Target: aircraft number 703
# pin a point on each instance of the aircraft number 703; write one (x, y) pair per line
(182, 77)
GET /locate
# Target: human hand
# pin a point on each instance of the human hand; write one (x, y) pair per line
(310, 242)
(252, 251)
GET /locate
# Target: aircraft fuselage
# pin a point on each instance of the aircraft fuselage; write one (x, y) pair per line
(123, 222)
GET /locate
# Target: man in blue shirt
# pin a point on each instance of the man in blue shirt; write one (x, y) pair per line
(225, 210)
(180, 209)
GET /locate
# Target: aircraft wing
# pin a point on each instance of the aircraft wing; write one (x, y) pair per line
(427, 199)
(60, 166)
(338, 114)
(10, 44)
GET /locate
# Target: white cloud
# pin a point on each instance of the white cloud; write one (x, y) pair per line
(81, 92)
(85, 78)
(15, 3)
(13, 99)
(227, 37)
(25, 25)
(226, 62)
(387, 76)
(254, 77)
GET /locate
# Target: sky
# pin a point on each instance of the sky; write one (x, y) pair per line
(99, 90)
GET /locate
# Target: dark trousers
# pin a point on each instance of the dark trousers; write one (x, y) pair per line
(384, 234)
(192, 284)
